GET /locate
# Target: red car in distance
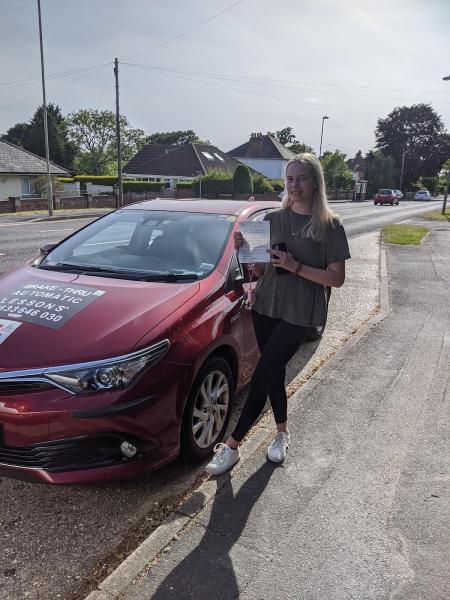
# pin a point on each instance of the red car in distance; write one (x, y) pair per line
(124, 344)
(386, 197)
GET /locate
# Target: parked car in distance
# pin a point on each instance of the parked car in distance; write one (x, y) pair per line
(386, 197)
(399, 194)
(123, 345)
(423, 194)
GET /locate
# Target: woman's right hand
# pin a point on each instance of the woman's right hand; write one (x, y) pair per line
(238, 240)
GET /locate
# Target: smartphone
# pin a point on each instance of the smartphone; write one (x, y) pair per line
(281, 246)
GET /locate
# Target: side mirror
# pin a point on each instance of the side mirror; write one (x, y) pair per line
(238, 284)
(46, 248)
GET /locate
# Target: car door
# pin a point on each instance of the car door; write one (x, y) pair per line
(251, 351)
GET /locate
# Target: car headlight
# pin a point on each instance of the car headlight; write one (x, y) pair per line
(109, 374)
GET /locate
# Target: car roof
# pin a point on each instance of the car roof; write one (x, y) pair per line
(229, 207)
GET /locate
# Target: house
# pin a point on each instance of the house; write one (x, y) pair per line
(173, 163)
(264, 154)
(19, 169)
(358, 166)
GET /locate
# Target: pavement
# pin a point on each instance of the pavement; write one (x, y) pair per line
(360, 509)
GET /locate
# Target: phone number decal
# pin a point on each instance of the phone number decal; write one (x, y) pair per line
(47, 304)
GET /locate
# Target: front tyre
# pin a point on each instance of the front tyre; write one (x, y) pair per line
(207, 410)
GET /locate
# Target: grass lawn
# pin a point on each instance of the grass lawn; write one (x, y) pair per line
(404, 234)
(436, 215)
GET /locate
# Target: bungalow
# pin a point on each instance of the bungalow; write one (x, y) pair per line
(358, 166)
(171, 163)
(19, 170)
(265, 154)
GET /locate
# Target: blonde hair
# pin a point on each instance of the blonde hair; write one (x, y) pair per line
(321, 213)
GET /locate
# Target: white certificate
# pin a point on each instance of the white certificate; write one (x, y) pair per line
(256, 242)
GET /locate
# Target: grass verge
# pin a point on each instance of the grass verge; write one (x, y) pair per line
(404, 234)
(436, 215)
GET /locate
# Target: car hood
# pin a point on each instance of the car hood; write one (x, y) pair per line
(100, 317)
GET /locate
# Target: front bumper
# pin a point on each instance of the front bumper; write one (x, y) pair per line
(48, 436)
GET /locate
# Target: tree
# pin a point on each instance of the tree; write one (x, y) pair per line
(94, 133)
(418, 131)
(287, 137)
(242, 180)
(30, 136)
(18, 134)
(299, 148)
(380, 173)
(61, 150)
(335, 170)
(174, 137)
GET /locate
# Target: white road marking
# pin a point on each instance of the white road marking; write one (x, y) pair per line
(54, 230)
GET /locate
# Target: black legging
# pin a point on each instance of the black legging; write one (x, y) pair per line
(278, 341)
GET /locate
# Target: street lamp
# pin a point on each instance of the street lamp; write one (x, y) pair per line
(200, 173)
(44, 105)
(321, 136)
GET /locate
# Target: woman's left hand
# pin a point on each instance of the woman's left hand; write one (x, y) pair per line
(283, 260)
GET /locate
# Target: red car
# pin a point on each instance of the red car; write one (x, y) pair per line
(125, 343)
(386, 197)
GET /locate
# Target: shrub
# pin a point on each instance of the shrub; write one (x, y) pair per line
(277, 184)
(242, 180)
(187, 185)
(261, 184)
(215, 182)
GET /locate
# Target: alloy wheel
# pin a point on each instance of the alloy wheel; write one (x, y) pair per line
(210, 408)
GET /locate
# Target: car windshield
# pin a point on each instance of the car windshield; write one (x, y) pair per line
(385, 192)
(147, 244)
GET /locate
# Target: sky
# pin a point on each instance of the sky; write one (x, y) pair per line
(252, 66)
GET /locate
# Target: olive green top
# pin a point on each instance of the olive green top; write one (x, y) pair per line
(289, 297)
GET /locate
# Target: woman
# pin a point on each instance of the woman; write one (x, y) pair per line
(290, 298)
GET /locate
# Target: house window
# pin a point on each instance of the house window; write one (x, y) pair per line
(219, 157)
(208, 155)
(27, 187)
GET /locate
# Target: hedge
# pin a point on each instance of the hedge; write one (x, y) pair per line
(99, 179)
(242, 180)
(65, 179)
(261, 185)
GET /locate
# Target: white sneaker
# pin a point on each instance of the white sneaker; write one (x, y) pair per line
(224, 459)
(277, 450)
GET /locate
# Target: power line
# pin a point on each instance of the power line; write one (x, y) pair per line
(262, 82)
(291, 100)
(51, 89)
(31, 80)
(183, 33)
(172, 96)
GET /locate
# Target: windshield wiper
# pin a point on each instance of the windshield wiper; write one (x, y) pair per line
(93, 270)
(111, 272)
(170, 276)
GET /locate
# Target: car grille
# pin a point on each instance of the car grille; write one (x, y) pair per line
(69, 454)
(23, 387)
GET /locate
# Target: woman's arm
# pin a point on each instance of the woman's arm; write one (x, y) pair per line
(332, 276)
(257, 268)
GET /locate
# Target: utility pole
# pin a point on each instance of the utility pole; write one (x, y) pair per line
(403, 165)
(444, 204)
(321, 136)
(119, 147)
(47, 150)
